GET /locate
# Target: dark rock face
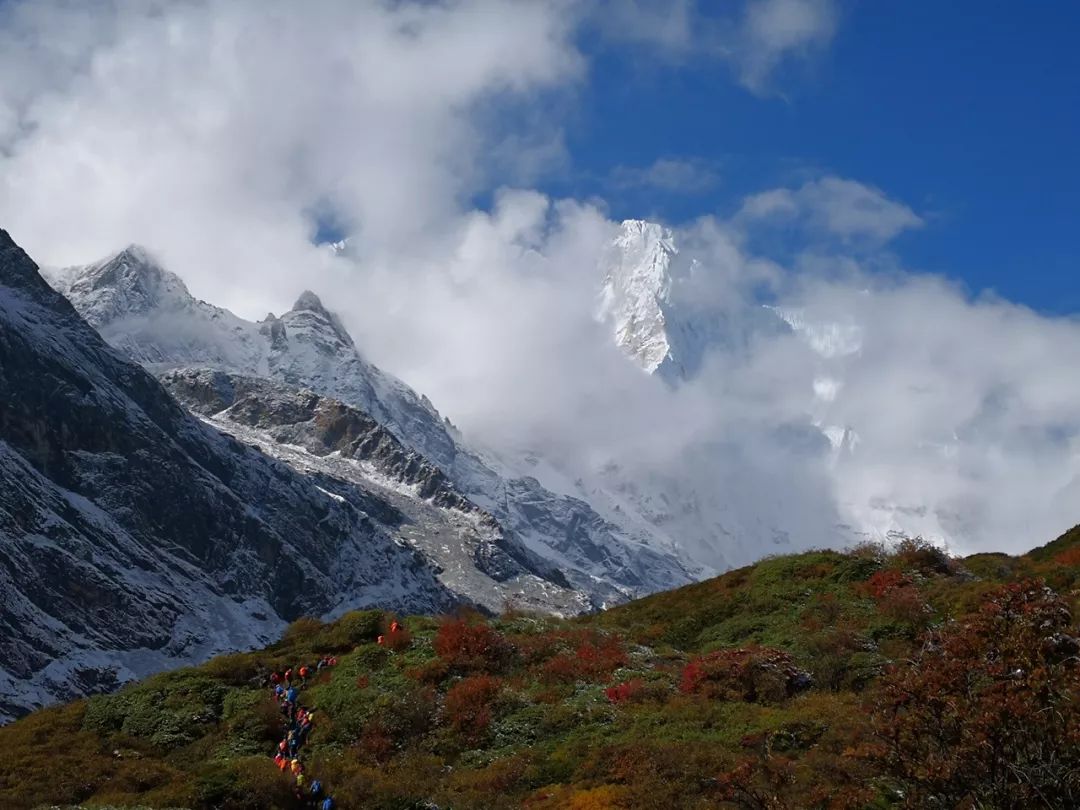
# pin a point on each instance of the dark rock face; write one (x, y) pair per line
(319, 424)
(324, 426)
(133, 536)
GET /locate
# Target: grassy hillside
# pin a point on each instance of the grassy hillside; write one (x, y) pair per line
(826, 679)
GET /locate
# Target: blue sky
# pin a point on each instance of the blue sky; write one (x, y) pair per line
(968, 112)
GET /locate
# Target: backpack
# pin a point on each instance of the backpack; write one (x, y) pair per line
(328, 803)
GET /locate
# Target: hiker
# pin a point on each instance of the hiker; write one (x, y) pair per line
(288, 675)
(291, 695)
(394, 627)
(275, 679)
(301, 780)
(282, 762)
(381, 639)
(316, 789)
(322, 663)
(296, 767)
(328, 803)
(294, 743)
(304, 672)
(282, 746)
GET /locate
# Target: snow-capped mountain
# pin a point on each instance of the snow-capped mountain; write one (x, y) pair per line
(146, 312)
(646, 297)
(636, 294)
(134, 537)
(650, 298)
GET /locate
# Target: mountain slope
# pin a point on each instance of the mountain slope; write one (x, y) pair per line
(135, 537)
(146, 312)
(816, 681)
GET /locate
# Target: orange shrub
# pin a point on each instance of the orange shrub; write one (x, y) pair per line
(1070, 556)
(884, 581)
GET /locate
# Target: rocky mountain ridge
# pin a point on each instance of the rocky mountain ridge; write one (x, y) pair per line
(135, 537)
(308, 347)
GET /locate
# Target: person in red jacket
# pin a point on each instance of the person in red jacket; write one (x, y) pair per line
(288, 675)
(304, 672)
(275, 679)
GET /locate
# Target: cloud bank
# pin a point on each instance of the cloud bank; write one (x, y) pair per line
(225, 136)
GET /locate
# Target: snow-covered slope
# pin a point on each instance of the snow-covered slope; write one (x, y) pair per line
(308, 347)
(134, 537)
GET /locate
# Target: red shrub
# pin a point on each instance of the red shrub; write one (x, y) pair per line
(906, 606)
(594, 659)
(469, 705)
(472, 646)
(625, 692)
(753, 674)
(986, 714)
(1070, 556)
(884, 581)
(398, 640)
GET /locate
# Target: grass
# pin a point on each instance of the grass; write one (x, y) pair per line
(521, 715)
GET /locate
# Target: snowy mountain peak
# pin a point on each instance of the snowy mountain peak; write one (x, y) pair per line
(309, 314)
(309, 301)
(636, 291)
(131, 282)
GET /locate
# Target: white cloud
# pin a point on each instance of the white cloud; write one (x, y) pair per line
(774, 30)
(755, 37)
(842, 208)
(211, 130)
(670, 175)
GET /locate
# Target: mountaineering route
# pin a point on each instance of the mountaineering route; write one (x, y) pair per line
(298, 722)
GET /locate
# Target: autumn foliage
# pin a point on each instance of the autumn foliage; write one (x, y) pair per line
(752, 674)
(466, 645)
(469, 705)
(864, 680)
(988, 713)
